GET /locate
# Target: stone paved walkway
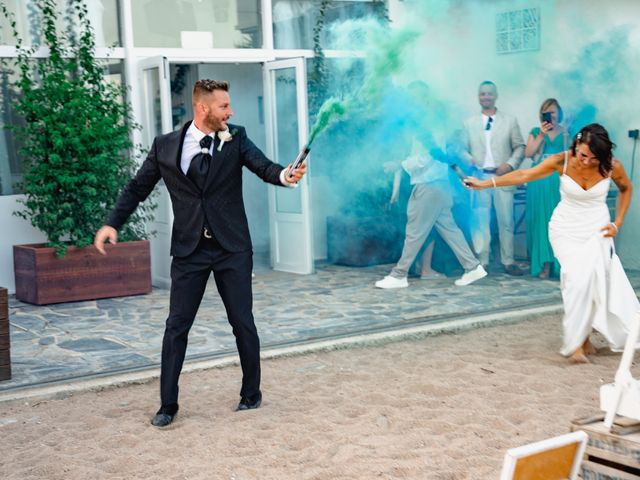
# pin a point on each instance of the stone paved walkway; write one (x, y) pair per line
(78, 340)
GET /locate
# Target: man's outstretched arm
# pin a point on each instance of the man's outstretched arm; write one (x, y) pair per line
(136, 191)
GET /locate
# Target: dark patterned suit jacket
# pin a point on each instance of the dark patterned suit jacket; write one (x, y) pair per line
(221, 201)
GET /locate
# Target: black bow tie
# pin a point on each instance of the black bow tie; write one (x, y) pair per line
(206, 142)
(199, 167)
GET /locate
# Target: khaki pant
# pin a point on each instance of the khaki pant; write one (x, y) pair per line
(502, 200)
(430, 206)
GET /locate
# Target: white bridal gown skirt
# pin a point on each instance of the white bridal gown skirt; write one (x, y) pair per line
(596, 292)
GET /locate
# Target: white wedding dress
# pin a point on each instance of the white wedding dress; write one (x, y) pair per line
(596, 292)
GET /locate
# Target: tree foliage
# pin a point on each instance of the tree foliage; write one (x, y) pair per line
(76, 140)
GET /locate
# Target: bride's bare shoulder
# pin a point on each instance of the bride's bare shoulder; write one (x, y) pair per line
(557, 160)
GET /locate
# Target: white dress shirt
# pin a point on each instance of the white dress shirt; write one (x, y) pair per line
(421, 166)
(191, 146)
(489, 162)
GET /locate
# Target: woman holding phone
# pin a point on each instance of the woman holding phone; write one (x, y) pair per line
(543, 195)
(596, 292)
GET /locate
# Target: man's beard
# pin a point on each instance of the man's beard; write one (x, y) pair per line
(213, 123)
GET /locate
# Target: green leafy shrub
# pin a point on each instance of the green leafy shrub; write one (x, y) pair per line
(76, 140)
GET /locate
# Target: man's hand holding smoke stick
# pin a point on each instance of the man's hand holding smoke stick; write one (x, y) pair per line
(297, 169)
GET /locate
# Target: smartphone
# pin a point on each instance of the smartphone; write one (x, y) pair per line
(546, 117)
(300, 159)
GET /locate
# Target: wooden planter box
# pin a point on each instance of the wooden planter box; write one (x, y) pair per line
(82, 274)
(5, 354)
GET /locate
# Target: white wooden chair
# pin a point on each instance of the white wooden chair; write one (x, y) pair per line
(623, 396)
(556, 458)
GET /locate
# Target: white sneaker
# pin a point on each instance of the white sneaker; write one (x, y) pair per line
(471, 276)
(392, 282)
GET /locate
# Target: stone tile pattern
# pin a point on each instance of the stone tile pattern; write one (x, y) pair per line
(81, 339)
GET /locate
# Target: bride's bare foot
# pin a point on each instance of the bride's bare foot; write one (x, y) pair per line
(578, 357)
(588, 348)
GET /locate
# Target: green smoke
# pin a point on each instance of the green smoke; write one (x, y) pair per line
(385, 58)
(384, 52)
(330, 111)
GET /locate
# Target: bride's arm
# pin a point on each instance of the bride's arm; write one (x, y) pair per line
(619, 176)
(551, 164)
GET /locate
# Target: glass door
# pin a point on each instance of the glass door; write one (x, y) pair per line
(155, 101)
(286, 118)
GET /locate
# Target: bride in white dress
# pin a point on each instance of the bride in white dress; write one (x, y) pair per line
(596, 292)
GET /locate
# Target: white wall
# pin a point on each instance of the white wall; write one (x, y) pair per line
(15, 231)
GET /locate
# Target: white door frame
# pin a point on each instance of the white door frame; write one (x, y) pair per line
(163, 215)
(291, 233)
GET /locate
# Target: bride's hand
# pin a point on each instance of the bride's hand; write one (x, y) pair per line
(473, 183)
(610, 230)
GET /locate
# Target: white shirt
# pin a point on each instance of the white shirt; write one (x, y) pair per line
(421, 167)
(489, 162)
(191, 147)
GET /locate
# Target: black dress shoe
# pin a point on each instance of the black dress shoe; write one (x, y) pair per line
(249, 403)
(162, 419)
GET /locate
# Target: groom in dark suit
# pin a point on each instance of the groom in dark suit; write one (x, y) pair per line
(201, 166)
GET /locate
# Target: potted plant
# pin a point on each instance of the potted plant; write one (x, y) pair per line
(76, 144)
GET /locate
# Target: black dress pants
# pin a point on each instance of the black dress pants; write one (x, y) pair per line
(189, 276)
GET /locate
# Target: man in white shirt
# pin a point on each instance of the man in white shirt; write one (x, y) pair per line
(430, 206)
(493, 144)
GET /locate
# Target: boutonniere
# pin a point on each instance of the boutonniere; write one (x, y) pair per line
(225, 136)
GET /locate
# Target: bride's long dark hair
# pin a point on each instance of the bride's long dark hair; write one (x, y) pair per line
(597, 139)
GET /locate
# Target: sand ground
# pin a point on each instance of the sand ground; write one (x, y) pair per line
(444, 407)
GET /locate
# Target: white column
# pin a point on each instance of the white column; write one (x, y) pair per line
(130, 66)
(267, 25)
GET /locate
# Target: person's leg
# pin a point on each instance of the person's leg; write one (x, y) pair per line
(189, 277)
(503, 202)
(580, 355)
(453, 236)
(546, 271)
(481, 225)
(425, 261)
(588, 347)
(232, 273)
(422, 210)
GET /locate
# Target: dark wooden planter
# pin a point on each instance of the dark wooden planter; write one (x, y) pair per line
(82, 274)
(5, 354)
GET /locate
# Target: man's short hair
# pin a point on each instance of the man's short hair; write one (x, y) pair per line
(206, 86)
(488, 82)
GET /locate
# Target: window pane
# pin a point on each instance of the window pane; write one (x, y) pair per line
(288, 200)
(103, 15)
(197, 23)
(11, 164)
(294, 20)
